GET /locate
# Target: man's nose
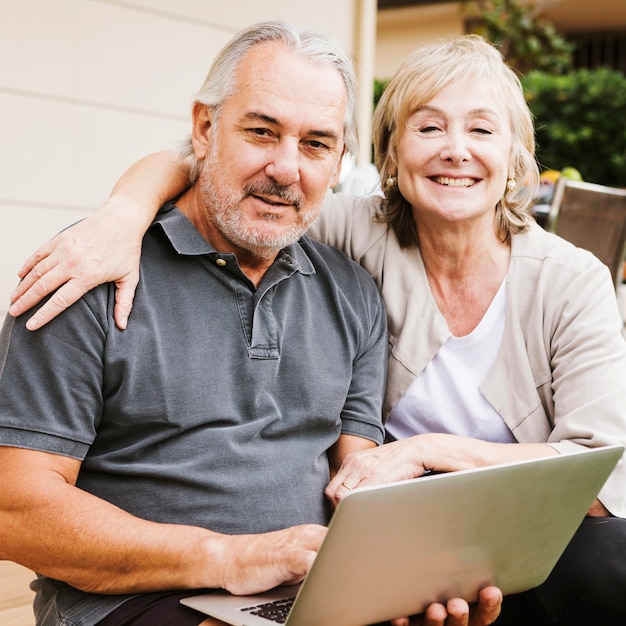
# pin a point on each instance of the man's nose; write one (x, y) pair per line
(284, 162)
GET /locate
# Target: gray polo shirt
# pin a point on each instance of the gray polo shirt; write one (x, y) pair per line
(217, 405)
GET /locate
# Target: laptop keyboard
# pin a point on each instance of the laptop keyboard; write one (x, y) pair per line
(275, 611)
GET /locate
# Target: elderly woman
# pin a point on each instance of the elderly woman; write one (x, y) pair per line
(505, 340)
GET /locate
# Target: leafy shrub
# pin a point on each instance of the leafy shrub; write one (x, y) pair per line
(580, 120)
(525, 39)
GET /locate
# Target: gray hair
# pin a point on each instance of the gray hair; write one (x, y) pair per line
(221, 81)
(420, 78)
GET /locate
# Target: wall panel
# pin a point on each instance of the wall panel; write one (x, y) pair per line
(89, 86)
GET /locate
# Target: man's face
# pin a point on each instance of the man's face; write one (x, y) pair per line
(274, 151)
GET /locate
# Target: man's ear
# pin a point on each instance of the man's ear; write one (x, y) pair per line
(337, 173)
(202, 122)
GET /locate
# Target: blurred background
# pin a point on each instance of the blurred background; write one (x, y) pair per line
(89, 86)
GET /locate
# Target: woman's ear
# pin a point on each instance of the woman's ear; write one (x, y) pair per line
(202, 122)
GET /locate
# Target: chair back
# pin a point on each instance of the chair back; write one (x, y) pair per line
(592, 217)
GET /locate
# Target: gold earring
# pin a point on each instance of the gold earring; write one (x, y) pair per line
(390, 181)
(511, 185)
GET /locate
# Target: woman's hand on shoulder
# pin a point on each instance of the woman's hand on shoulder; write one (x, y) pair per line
(101, 248)
(105, 247)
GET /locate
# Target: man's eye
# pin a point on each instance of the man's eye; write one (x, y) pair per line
(260, 132)
(317, 145)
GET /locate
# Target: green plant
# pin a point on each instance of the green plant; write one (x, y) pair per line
(579, 121)
(379, 87)
(525, 39)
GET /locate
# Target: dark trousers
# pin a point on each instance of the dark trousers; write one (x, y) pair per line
(587, 586)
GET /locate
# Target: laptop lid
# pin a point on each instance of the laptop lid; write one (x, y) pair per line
(391, 550)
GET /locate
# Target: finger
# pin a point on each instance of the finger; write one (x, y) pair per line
(488, 607)
(435, 615)
(64, 297)
(40, 282)
(42, 253)
(458, 612)
(339, 487)
(36, 281)
(124, 296)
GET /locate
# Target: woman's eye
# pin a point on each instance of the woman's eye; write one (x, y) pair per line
(481, 131)
(428, 129)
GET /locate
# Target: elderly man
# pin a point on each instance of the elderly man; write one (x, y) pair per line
(192, 450)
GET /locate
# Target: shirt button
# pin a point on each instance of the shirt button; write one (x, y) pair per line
(220, 262)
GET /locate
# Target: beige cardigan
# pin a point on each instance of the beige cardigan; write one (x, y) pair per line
(560, 375)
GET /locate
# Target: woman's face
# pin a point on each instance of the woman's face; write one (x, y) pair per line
(453, 155)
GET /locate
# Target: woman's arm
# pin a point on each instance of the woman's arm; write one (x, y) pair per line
(104, 247)
(412, 457)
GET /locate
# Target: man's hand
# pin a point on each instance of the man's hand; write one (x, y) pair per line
(256, 563)
(457, 612)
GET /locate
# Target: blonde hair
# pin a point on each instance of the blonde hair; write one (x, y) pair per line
(420, 78)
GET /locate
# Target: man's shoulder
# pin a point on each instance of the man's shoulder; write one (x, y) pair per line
(332, 256)
(335, 265)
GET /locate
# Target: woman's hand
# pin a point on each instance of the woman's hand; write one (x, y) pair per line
(398, 460)
(105, 247)
(413, 456)
(101, 248)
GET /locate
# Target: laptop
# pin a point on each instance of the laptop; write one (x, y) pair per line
(391, 550)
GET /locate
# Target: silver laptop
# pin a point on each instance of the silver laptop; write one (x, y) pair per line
(392, 550)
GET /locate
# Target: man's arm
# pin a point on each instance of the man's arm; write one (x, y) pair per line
(104, 247)
(346, 444)
(56, 529)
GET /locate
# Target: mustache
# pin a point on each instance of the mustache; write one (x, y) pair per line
(274, 190)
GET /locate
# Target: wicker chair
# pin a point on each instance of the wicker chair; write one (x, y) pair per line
(592, 217)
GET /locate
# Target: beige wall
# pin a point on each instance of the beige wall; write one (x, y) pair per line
(400, 31)
(88, 86)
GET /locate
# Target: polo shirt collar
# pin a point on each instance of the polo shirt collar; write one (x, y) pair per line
(186, 240)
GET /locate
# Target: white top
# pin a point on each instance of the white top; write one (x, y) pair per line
(445, 397)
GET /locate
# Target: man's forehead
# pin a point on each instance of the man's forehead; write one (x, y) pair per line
(274, 67)
(275, 84)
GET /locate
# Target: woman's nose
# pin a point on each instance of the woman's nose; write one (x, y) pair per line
(456, 148)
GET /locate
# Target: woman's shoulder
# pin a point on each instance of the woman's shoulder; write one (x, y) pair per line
(359, 208)
(542, 262)
(539, 245)
(349, 223)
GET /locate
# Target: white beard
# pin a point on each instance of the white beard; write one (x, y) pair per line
(223, 205)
